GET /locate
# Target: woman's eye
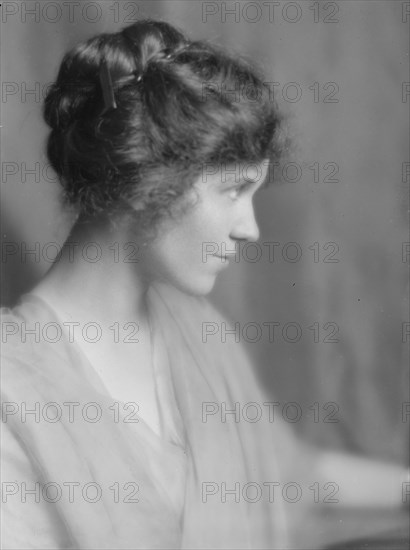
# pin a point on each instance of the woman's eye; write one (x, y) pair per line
(235, 192)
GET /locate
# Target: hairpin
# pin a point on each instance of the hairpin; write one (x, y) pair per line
(139, 75)
(107, 88)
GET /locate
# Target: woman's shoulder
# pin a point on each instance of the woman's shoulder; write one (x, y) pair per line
(20, 332)
(34, 350)
(27, 328)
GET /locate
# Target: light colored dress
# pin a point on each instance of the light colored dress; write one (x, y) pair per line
(98, 474)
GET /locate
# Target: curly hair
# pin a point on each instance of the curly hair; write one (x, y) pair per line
(180, 105)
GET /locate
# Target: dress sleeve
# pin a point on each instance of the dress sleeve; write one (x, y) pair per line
(28, 520)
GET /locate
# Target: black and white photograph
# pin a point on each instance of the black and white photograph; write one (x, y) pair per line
(205, 249)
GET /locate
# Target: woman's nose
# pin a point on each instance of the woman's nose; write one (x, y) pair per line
(246, 227)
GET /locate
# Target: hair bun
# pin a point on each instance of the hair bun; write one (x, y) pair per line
(66, 102)
(152, 41)
(147, 151)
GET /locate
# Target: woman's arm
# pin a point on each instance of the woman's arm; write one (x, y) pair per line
(364, 482)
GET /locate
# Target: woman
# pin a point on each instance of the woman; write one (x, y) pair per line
(125, 445)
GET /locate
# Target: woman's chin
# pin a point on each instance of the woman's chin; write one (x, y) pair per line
(195, 286)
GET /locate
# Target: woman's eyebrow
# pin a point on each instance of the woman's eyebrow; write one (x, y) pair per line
(232, 179)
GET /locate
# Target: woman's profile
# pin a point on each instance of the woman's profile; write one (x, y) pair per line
(119, 420)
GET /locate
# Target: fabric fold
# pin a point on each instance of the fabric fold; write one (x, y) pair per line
(110, 483)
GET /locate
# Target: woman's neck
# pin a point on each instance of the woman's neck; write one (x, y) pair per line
(98, 276)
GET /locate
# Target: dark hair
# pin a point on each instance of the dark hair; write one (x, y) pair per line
(193, 104)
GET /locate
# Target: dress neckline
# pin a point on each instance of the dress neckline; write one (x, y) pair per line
(174, 438)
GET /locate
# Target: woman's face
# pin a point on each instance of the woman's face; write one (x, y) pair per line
(192, 248)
